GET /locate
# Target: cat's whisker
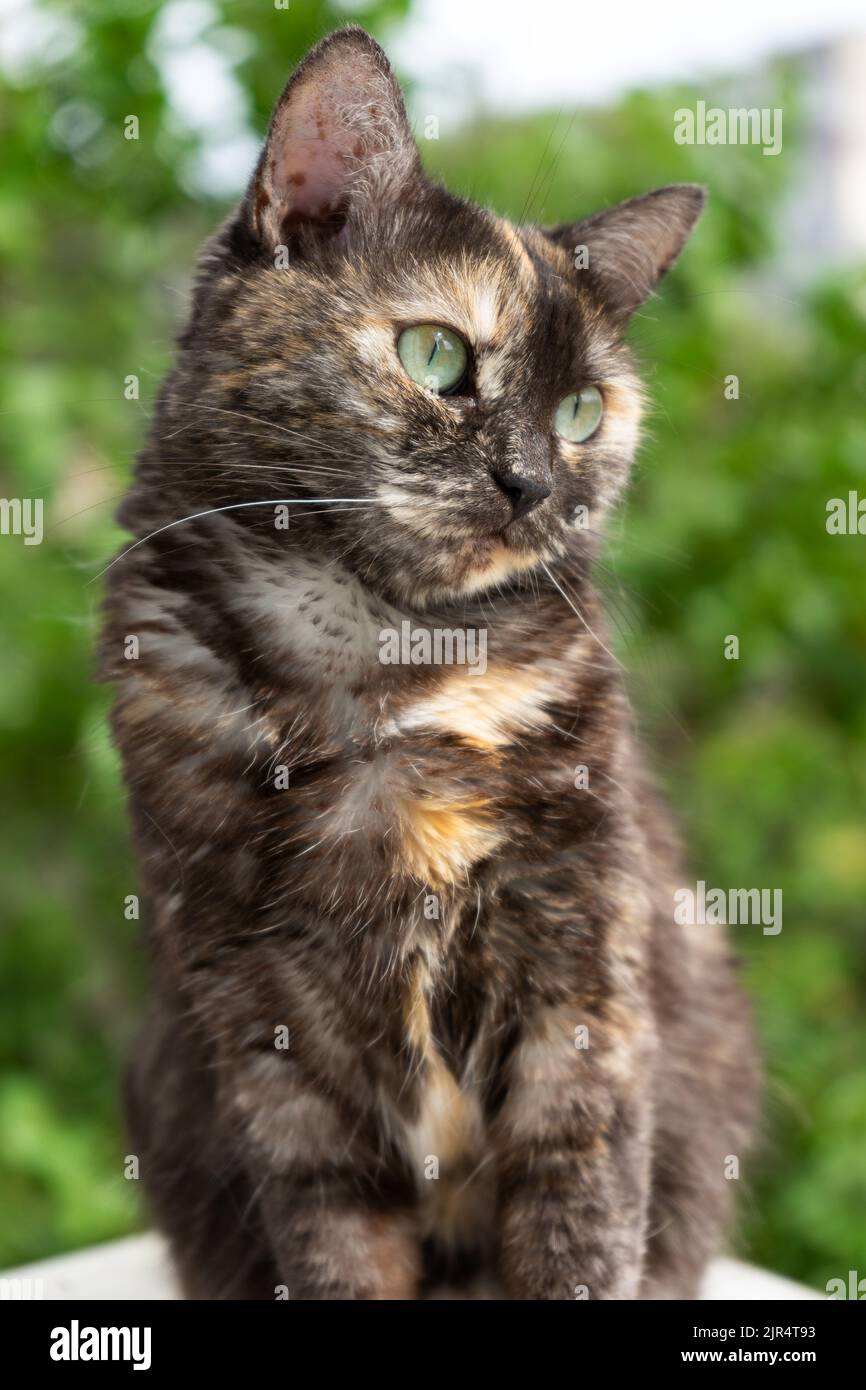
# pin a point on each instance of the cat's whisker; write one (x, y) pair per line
(232, 506)
(578, 613)
(271, 424)
(237, 415)
(102, 502)
(322, 512)
(280, 466)
(312, 443)
(302, 438)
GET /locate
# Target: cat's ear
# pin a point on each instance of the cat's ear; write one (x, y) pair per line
(338, 141)
(628, 248)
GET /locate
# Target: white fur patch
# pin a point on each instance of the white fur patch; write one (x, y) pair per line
(315, 611)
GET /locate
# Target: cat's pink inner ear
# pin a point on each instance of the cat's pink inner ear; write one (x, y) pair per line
(339, 136)
(311, 159)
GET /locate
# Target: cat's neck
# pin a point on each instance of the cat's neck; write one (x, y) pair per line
(310, 612)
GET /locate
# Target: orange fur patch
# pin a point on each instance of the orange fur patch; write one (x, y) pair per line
(448, 1128)
(440, 841)
(444, 1120)
(521, 255)
(395, 1256)
(502, 562)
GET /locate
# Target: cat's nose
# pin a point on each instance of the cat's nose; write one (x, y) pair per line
(524, 490)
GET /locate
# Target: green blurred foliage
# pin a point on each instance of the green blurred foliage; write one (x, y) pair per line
(723, 533)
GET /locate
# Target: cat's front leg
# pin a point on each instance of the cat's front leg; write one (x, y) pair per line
(573, 1156)
(329, 1245)
(336, 1209)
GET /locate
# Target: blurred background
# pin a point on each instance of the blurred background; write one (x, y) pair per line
(551, 112)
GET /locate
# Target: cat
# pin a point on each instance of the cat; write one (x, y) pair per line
(422, 1022)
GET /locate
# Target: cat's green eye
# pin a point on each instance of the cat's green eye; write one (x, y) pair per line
(433, 356)
(579, 415)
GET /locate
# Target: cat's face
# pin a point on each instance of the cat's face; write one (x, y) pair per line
(462, 381)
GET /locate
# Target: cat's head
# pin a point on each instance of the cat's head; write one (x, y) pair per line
(360, 333)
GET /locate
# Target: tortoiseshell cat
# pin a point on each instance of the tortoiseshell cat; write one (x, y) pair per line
(422, 1020)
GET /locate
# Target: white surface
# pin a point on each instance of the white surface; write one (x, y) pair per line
(131, 1269)
(730, 1279)
(138, 1269)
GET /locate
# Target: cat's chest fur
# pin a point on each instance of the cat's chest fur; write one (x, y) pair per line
(403, 782)
(414, 757)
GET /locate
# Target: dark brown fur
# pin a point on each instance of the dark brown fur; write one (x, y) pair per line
(430, 907)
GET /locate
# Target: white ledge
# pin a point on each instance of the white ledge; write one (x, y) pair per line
(138, 1268)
